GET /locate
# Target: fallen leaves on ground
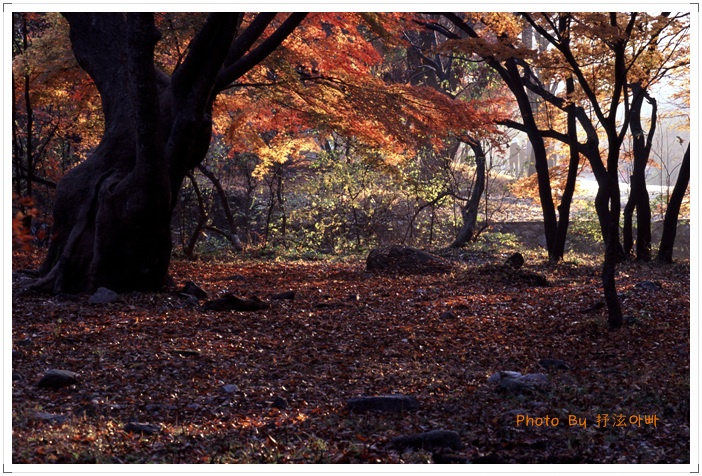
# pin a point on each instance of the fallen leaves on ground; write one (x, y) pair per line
(272, 385)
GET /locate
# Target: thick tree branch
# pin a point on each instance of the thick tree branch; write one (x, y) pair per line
(239, 68)
(247, 38)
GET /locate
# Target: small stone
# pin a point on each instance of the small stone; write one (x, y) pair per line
(447, 315)
(50, 417)
(187, 352)
(56, 378)
(383, 403)
(429, 440)
(288, 295)
(650, 285)
(229, 388)
(143, 428)
(103, 296)
(279, 403)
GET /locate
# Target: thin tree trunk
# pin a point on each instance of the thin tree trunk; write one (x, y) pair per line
(642, 151)
(233, 238)
(469, 212)
(670, 224)
(201, 222)
(628, 227)
(564, 207)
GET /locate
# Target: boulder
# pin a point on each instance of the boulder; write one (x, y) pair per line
(383, 403)
(56, 378)
(405, 259)
(103, 296)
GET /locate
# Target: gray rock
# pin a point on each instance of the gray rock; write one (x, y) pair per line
(534, 379)
(650, 285)
(103, 296)
(514, 385)
(496, 377)
(525, 382)
(429, 441)
(229, 388)
(383, 403)
(143, 428)
(50, 417)
(448, 315)
(289, 295)
(56, 378)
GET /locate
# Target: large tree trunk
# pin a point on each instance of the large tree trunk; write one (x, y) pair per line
(670, 225)
(112, 212)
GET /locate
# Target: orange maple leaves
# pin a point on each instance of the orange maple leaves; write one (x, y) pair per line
(327, 78)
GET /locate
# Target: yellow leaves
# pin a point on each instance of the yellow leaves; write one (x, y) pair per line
(504, 25)
(528, 187)
(279, 150)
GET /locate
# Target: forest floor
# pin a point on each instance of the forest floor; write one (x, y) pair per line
(272, 386)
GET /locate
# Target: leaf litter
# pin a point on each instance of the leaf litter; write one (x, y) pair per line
(213, 382)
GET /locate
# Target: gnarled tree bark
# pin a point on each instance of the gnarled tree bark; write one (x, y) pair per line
(112, 212)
